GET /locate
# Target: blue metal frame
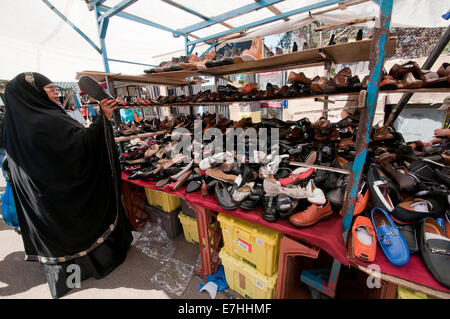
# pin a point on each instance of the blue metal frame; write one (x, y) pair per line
(229, 15)
(313, 278)
(62, 16)
(265, 21)
(121, 6)
(135, 18)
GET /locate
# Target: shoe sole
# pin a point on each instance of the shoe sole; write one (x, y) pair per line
(324, 217)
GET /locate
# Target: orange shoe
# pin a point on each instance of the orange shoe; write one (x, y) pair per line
(249, 88)
(362, 199)
(255, 52)
(311, 215)
(364, 240)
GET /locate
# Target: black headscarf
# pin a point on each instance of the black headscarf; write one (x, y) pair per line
(61, 174)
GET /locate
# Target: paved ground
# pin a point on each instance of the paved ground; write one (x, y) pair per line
(132, 279)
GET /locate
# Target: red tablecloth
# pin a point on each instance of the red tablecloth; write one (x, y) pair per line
(414, 271)
(326, 234)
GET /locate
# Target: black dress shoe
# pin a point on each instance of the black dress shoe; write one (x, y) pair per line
(383, 192)
(246, 175)
(435, 250)
(255, 199)
(270, 212)
(223, 196)
(409, 233)
(193, 185)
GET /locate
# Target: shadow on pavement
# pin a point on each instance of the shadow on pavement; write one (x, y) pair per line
(19, 275)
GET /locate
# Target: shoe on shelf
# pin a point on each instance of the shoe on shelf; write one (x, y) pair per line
(398, 71)
(223, 196)
(298, 78)
(388, 83)
(364, 241)
(255, 52)
(433, 79)
(389, 238)
(269, 211)
(311, 215)
(435, 250)
(342, 78)
(409, 81)
(383, 192)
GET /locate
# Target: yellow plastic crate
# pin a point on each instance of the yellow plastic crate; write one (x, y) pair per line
(405, 293)
(162, 200)
(256, 245)
(189, 228)
(245, 280)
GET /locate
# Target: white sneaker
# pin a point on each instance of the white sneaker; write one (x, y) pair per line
(318, 196)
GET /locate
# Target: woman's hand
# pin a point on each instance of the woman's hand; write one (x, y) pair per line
(108, 106)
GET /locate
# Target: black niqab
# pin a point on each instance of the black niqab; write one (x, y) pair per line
(60, 170)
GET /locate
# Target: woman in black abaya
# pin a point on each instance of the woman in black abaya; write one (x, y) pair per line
(66, 185)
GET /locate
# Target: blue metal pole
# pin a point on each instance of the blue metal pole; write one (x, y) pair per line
(137, 63)
(135, 18)
(62, 16)
(102, 26)
(116, 9)
(229, 15)
(377, 58)
(264, 21)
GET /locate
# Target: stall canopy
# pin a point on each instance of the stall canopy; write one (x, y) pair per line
(34, 38)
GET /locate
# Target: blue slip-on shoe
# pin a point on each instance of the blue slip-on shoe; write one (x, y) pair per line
(391, 241)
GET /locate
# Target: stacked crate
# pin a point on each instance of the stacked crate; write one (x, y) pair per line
(250, 257)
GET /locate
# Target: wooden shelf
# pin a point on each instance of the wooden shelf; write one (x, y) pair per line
(132, 137)
(306, 96)
(339, 53)
(136, 79)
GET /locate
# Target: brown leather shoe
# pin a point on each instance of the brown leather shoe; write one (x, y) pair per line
(220, 175)
(318, 85)
(382, 133)
(388, 83)
(398, 71)
(342, 78)
(298, 78)
(311, 215)
(410, 82)
(432, 79)
(406, 182)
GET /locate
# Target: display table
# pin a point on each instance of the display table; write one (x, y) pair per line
(326, 234)
(414, 275)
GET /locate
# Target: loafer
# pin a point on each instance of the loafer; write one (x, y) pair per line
(180, 182)
(297, 176)
(364, 240)
(412, 211)
(193, 186)
(435, 250)
(163, 182)
(311, 215)
(409, 234)
(424, 171)
(270, 212)
(389, 238)
(223, 196)
(383, 192)
(406, 182)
